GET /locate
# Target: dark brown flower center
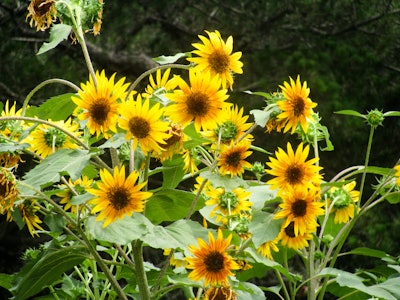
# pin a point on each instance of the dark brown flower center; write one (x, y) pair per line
(294, 174)
(289, 230)
(42, 7)
(119, 198)
(139, 127)
(99, 110)
(219, 62)
(214, 262)
(233, 159)
(299, 208)
(298, 106)
(197, 104)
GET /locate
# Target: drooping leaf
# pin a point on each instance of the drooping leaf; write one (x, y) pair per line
(368, 252)
(350, 112)
(47, 269)
(263, 227)
(392, 114)
(170, 205)
(58, 33)
(56, 108)
(262, 94)
(261, 117)
(63, 162)
(163, 60)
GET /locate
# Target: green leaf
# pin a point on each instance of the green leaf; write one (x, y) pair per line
(368, 252)
(249, 291)
(351, 113)
(80, 199)
(34, 276)
(115, 141)
(13, 147)
(261, 117)
(58, 33)
(62, 162)
(260, 195)
(172, 173)
(6, 280)
(170, 205)
(393, 198)
(56, 108)
(227, 182)
(392, 114)
(263, 227)
(163, 60)
(196, 138)
(262, 94)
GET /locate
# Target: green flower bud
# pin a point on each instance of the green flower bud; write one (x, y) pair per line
(375, 118)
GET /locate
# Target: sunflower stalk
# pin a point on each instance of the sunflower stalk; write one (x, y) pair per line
(137, 251)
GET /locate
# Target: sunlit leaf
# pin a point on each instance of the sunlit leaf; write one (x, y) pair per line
(249, 291)
(263, 227)
(392, 114)
(261, 117)
(58, 33)
(163, 60)
(56, 108)
(350, 112)
(12, 147)
(260, 195)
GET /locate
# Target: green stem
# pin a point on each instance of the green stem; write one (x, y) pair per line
(284, 288)
(141, 277)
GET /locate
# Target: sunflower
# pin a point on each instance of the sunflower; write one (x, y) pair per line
(301, 207)
(42, 13)
(219, 293)
(215, 56)
(98, 103)
(397, 174)
(288, 238)
(144, 124)
(297, 106)
(117, 196)
(211, 262)
(232, 159)
(267, 247)
(8, 190)
(161, 84)
(173, 144)
(9, 160)
(46, 139)
(11, 129)
(231, 126)
(28, 210)
(201, 102)
(292, 169)
(80, 186)
(228, 203)
(344, 199)
(191, 159)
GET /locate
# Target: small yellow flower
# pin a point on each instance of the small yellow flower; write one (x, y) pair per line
(232, 160)
(28, 210)
(80, 185)
(161, 84)
(344, 199)
(288, 238)
(267, 247)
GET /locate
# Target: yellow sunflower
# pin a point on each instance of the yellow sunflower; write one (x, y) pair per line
(117, 196)
(211, 262)
(297, 106)
(8, 190)
(228, 203)
(397, 174)
(45, 139)
(144, 124)
(191, 159)
(292, 169)
(173, 144)
(28, 210)
(232, 159)
(344, 199)
(80, 185)
(300, 206)
(231, 126)
(98, 103)
(215, 56)
(266, 248)
(288, 238)
(219, 293)
(161, 84)
(201, 102)
(42, 13)
(11, 129)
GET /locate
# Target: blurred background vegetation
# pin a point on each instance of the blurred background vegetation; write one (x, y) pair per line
(346, 50)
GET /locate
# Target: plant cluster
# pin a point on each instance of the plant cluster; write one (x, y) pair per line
(218, 220)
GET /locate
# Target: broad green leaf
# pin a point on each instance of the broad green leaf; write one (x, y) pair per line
(114, 141)
(34, 276)
(392, 285)
(12, 147)
(249, 291)
(330, 229)
(368, 252)
(196, 138)
(80, 199)
(263, 227)
(350, 112)
(227, 182)
(56, 108)
(260, 195)
(63, 162)
(172, 173)
(261, 117)
(163, 60)
(170, 205)
(58, 33)
(6, 280)
(393, 198)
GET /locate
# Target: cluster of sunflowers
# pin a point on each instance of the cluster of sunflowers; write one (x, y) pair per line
(187, 125)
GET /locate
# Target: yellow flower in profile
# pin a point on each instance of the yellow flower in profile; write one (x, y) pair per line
(211, 262)
(292, 169)
(11, 129)
(8, 190)
(288, 238)
(232, 160)
(161, 84)
(201, 102)
(28, 210)
(267, 247)
(300, 206)
(231, 126)
(144, 124)
(98, 103)
(215, 56)
(191, 160)
(46, 139)
(344, 199)
(397, 174)
(80, 186)
(117, 196)
(228, 203)
(173, 144)
(42, 13)
(219, 293)
(297, 106)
